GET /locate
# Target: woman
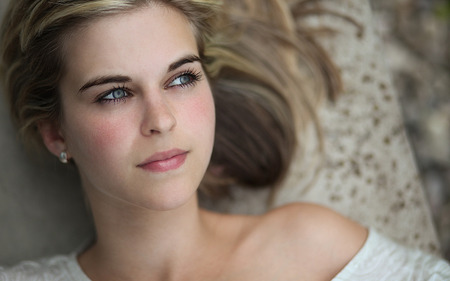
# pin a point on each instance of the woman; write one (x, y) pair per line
(130, 91)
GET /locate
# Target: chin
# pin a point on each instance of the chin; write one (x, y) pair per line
(167, 200)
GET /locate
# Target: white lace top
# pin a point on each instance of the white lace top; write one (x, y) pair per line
(379, 259)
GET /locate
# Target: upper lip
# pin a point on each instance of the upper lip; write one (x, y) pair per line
(161, 156)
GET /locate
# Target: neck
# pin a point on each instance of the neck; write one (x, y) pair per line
(135, 238)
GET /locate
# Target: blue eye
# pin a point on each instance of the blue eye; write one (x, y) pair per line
(187, 78)
(114, 95)
(181, 80)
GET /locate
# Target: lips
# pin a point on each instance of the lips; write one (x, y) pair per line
(164, 161)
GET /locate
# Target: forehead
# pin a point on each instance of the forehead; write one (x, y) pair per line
(152, 34)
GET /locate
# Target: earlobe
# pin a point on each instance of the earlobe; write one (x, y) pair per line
(52, 137)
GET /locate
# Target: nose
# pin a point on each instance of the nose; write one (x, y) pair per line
(158, 117)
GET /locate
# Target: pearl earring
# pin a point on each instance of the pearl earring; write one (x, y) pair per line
(63, 157)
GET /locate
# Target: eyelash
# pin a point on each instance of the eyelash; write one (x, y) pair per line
(194, 76)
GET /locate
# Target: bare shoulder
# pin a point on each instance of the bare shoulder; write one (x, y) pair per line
(294, 242)
(317, 237)
(312, 219)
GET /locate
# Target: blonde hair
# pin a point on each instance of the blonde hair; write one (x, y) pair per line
(267, 73)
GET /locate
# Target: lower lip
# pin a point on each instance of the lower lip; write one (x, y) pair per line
(166, 165)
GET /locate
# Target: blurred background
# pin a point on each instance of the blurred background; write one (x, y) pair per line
(416, 35)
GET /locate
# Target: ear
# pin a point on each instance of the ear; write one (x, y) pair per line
(52, 137)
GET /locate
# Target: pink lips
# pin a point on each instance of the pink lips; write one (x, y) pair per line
(165, 161)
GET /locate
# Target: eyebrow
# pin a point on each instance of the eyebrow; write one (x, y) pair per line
(124, 79)
(182, 61)
(105, 80)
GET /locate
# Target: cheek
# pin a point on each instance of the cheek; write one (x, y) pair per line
(108, 133)
(202, 114)
(95, 139)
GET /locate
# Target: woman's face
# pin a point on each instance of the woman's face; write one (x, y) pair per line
(138, 113)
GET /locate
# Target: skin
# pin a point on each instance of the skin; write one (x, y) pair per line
(149, 225)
